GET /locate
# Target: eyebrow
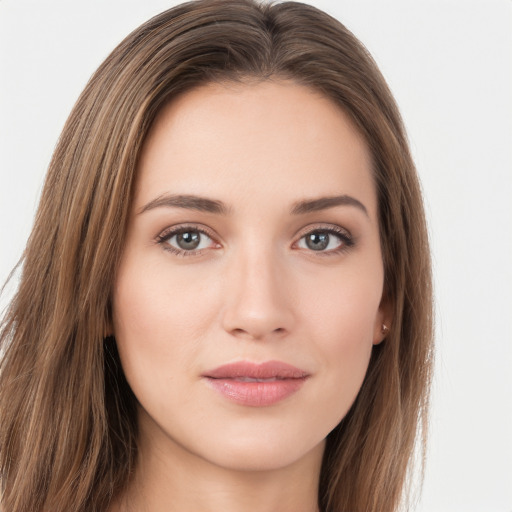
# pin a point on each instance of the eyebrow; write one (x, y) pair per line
(188, 202)
(203, 204)
(323, 203)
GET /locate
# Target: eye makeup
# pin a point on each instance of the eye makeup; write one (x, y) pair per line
(187, 240)
(319, 237)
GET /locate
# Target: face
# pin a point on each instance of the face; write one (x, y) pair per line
(248, 296)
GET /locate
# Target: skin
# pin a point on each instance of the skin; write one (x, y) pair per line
(253, 290)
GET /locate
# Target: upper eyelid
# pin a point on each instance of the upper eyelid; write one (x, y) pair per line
(171, 231)
(164, 237)
(321, 226)
(301, 232)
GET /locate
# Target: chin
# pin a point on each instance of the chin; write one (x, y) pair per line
(260, 446)
(255, 455)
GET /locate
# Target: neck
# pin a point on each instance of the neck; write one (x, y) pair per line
(173, 479)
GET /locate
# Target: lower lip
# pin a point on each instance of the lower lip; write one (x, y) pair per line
(256, 394)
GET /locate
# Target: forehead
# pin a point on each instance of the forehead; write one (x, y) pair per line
(274, 139)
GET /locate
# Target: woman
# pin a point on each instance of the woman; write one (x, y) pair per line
(226, 296)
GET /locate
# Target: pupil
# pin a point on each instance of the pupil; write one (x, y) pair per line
(317, 241)
(188, 240)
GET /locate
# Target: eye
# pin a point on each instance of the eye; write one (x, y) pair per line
(331, 240)
(186, 241)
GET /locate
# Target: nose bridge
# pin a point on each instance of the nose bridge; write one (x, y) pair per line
(257, 303)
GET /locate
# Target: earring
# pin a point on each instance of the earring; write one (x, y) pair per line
(385, 330)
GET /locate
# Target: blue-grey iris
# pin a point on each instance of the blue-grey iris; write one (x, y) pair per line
(317, 241)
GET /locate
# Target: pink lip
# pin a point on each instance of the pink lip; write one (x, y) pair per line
(256, 385)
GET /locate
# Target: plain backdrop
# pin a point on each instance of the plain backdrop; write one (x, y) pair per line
(449, 64)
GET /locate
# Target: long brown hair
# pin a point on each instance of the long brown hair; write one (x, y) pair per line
(68, 429)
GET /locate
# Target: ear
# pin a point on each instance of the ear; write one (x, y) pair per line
(108, 328)
(108, 322)
(383, 321)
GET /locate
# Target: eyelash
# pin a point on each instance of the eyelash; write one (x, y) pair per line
(164, 237)
(346, 239)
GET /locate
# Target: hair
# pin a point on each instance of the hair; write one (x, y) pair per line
(68, 427)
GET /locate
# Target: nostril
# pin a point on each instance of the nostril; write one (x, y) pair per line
(257, 333)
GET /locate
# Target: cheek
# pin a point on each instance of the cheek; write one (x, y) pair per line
(152, 303)
(341, 319)
(344, 306)
(155, 324)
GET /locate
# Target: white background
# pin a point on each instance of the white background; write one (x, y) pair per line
(449, 64)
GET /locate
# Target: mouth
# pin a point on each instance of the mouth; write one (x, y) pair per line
(256, 385)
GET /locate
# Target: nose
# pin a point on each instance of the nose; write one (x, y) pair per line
(258, 297)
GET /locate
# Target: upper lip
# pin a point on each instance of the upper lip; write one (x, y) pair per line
(249, 369)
